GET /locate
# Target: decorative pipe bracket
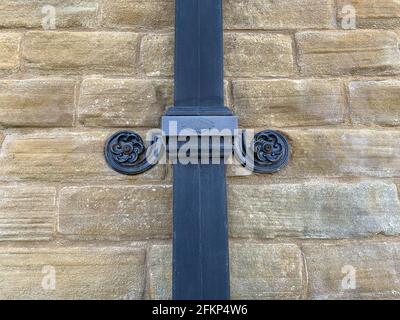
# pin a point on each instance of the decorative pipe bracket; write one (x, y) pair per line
(268, 152)
(126, 153)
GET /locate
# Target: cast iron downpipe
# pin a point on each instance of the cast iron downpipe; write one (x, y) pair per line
(200, 223)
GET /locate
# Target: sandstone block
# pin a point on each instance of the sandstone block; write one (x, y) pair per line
(37, 102)
(258, 271)
(27, 212)
(9, 51)
(357, 52)
(81, 52)
(130, 212)
(283, 103)
(353, 270)
(32, 13)
(123, 102)
(72, 273)
(150, 14)
(375, 102)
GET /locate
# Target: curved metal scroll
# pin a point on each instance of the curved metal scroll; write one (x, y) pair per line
(268, 152)
(126, 153)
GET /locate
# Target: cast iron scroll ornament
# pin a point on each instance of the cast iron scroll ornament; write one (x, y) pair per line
(270, 152)
(126, 153)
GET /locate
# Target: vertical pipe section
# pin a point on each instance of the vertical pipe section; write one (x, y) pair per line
(200, 236)
(199, 70)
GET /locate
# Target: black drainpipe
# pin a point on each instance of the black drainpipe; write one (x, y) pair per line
(200, 224)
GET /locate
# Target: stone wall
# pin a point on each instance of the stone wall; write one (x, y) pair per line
(325, 227)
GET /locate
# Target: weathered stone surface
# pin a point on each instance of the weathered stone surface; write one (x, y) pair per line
(61, 156)
(307, 210)
(252, 55)
(142, 212)
(77, 155)
(160, 272)
(338, 152)
(379, 14)
(132, 212)
(284, 14)
(156, 55)
(80, 272)
(31, 13)
(81, 52)
(126, 102)
(37, 102)
(9, 51)
(246, 55)
(283, 103)
(357, 52)
(314, 210)
(258, 271)
(123, 102)
(376, 266)
(150, 14)
(27, 212)
(290, 66)
(375, 102)
(266, 271)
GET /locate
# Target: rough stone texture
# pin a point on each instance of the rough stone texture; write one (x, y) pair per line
(61, 156)
(253, 14)
(121, 102)
(133, 212)
(37, 102)
(160, 272)
(81, 272)
(311, 210)
(337, 152)
(150, 14)
(379, 14)
(376, 264)
(252, 55)
(9, 51)
(126, 102)
(289, 66)
(258, 271)
(281, 103)
(357, 52)
(27, 213)
(375, 102)
(84, 52)
(284, 14)
(266, 271)
(314, 210)
(246, 55)
(29, 14)
(156, 55)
